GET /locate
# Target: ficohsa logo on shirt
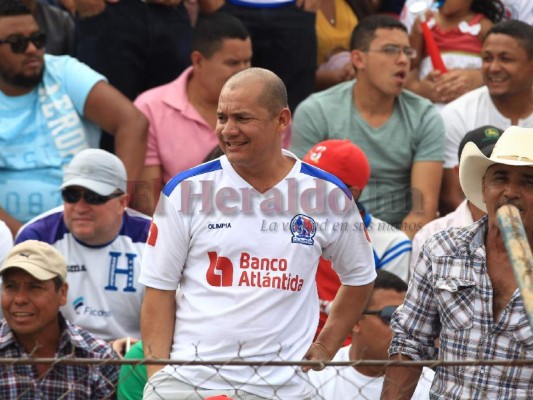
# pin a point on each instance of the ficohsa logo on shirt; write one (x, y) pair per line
(81, 309)
(254, 272)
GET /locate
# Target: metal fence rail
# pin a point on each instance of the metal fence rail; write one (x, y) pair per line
(9, 366)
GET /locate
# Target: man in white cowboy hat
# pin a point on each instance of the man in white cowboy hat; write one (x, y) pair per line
(463, 291)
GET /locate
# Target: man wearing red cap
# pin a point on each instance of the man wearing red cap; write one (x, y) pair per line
(391, 247)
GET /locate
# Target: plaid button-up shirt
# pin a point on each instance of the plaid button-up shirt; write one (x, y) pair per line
(450, 297)
(66, 381)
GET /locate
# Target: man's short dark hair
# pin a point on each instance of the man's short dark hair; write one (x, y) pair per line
(13, 7)
(387, 280)
(518, 30)
(212, 29)
(365, 30)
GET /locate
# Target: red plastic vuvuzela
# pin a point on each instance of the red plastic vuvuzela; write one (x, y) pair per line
(419, 8)
(432, 49)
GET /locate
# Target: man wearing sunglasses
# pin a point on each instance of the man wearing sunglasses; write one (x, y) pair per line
(52, 107)
(371, 338)
(102, 241)
(400, 132)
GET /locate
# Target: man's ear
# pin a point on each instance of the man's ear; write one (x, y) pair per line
(358, 59)
(63, 291)
(284, 119)
(196, 58)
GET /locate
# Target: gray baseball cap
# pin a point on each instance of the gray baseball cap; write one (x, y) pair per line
(96, 170)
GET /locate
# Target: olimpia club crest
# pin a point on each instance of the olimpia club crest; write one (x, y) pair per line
(303, 229)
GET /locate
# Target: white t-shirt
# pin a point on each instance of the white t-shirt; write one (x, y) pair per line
(104, 296)
(346, 383)
(6, 241)
(246, 265)
(470, 111)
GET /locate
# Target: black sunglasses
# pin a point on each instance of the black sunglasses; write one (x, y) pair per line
(20, 43)
(72, 196)
(385, 313)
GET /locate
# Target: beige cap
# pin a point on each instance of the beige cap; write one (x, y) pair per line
(39, 259)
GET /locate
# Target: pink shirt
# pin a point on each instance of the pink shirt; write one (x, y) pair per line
(179, 138)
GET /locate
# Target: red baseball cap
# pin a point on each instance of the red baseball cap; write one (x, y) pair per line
(343, 159)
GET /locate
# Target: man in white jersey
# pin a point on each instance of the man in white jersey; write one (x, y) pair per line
(102, 241)
(241, 237)
(505, 100)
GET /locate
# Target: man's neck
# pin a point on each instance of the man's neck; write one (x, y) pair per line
(515, 107)
(13, 91)
(44, 344)
(373, 106)
(201, 101)
(265, 178)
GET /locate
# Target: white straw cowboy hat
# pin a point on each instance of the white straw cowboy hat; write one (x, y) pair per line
(515, 147)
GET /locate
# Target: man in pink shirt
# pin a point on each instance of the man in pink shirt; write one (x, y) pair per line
(182, 113)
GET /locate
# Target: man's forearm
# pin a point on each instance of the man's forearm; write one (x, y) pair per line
(13, 224)
(157, 325)
(346, 310)
(400, 382)
(130, 145)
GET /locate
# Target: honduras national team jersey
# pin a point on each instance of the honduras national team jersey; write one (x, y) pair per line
(246, 265)
(40, 132)
(104, 296)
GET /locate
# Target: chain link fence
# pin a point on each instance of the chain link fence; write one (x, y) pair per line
(18, 377)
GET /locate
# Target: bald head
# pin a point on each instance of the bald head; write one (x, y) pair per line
(273, 95)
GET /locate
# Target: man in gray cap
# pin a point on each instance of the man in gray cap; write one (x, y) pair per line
(463, 291)
(102, 241)
(33, 289)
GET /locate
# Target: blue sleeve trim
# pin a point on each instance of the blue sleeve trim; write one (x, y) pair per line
(195, 171)
(320, 174)
(136, 228)
(48, 229)
(394, 252)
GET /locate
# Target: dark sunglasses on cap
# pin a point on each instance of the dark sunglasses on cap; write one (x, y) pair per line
(71, 195)
(20, 43)
(385, 313)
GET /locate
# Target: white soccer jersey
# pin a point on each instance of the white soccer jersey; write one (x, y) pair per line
(246, 264)
(104, 296)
